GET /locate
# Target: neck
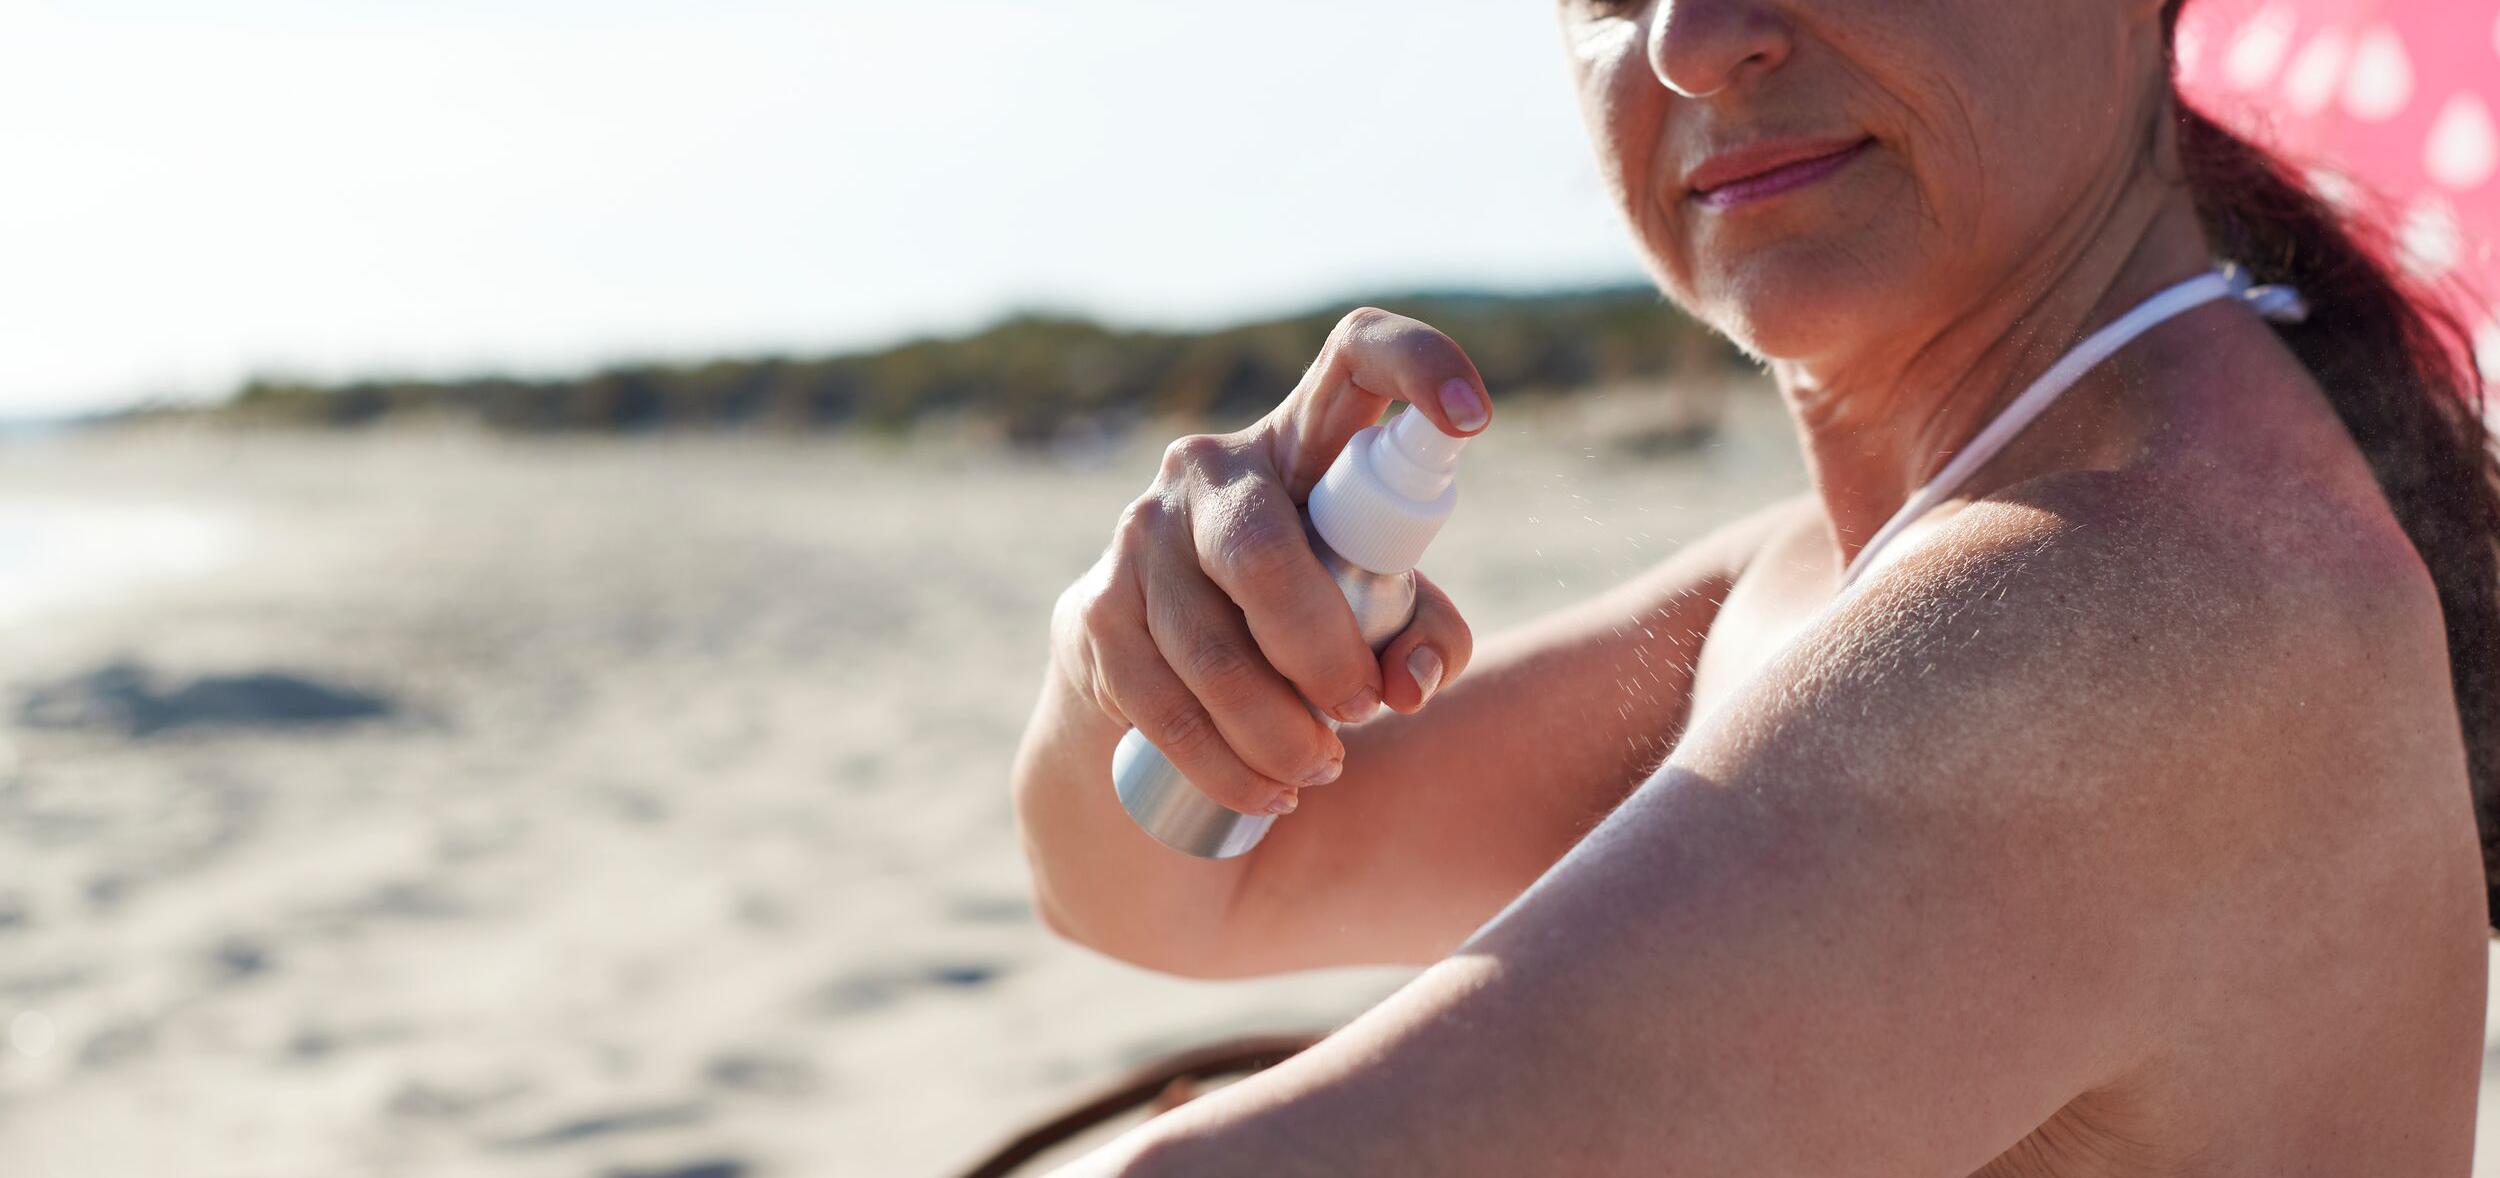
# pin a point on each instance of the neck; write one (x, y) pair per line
(1878, 424)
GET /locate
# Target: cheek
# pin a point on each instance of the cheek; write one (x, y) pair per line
(1625, 111)
(2003, 140)
(1982, 155)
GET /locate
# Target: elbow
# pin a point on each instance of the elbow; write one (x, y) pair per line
(1068, 918)
(1087, 900)
(1052, 909)
(1055, 919)
(1194, 957)
(1072, 905)
(1200, 956)
(1197, 966)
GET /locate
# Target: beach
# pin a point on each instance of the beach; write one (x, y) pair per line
(422, 801)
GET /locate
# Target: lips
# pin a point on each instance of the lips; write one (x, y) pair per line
(1763, 169)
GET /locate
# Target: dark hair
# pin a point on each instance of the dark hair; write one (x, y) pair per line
(2393, 358)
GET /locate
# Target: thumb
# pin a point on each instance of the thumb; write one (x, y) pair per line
(1428, 654)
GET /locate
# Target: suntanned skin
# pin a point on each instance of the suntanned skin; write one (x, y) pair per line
(2116, 824)
(1440, 818)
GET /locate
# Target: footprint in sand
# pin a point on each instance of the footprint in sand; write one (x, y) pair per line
(761, 1073)
(711, 1168)
(876, 989)
(124, 696)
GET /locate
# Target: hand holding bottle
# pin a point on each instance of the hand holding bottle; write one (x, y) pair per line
(1210, 618)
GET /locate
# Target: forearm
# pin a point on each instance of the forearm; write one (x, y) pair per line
(1764, 961)
(1422, 1084)
(1097, 878)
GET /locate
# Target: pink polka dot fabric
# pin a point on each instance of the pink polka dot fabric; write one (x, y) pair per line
(2396, 97)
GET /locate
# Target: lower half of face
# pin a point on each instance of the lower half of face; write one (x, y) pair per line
(1963, 133)
(1806, 259)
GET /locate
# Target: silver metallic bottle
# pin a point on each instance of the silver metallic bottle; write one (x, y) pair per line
(1170, 808)
(1369, 519)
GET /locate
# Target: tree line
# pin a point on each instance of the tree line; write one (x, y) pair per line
(1030, 376)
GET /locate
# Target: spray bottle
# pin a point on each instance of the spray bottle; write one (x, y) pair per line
(1370, 518)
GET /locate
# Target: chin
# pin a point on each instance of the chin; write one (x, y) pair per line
(1814, 277)
(1797, 301)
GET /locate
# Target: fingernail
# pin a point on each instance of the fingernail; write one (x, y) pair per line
(1284, 803)
(1364, 705)
(1425, 665)
(1459, 400)
(1325, 773)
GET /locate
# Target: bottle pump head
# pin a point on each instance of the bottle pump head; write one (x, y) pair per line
(1388, 493)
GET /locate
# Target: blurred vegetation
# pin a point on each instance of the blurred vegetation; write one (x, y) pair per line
(1031, 377)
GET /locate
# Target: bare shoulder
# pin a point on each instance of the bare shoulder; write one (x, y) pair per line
(2112, 785)
(2192, 674)
(2162, 586)
(2278, 648)
(2184, 584)
(2187, 611)
(2130, 733)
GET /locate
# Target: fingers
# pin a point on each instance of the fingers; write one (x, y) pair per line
(1218, 637)
(1371, 358)
(1251, 712)
(1124, 671)
(1130, 681)
(1162, 708)
(1431, 652)
(1251, 544)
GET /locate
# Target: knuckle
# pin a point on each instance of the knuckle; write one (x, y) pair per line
(1450, 631)
(1100, 613)
(1342, 675)
(1089, 597)
(1106, 700)
(1362, 321)
(1401, 341)
(1237, 789)
(1292, 758)
(1424, 346)
(1261, 549)
(1220, 668)
(1191, 452)
(1141, 521)
(1097, 689)
(1184, 732)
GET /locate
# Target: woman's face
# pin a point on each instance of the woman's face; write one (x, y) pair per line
(1944, 142)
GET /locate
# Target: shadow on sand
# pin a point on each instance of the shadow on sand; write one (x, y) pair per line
(124, 696)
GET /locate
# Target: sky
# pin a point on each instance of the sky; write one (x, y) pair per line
(194, 193)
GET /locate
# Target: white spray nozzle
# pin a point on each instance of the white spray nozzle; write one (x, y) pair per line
(1415, 457)
(1388, 494)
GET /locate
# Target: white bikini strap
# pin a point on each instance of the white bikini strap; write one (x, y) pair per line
(2279, 303)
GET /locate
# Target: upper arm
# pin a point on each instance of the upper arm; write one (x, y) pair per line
(1443, 816)
(1936, 873)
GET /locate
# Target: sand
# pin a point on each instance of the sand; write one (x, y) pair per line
(459, 805)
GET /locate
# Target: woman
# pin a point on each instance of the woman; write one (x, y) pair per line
(2118, 818)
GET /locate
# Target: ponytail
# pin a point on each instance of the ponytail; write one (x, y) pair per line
(2397, 366)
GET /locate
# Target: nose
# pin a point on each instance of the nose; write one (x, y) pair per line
(1700, 47)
